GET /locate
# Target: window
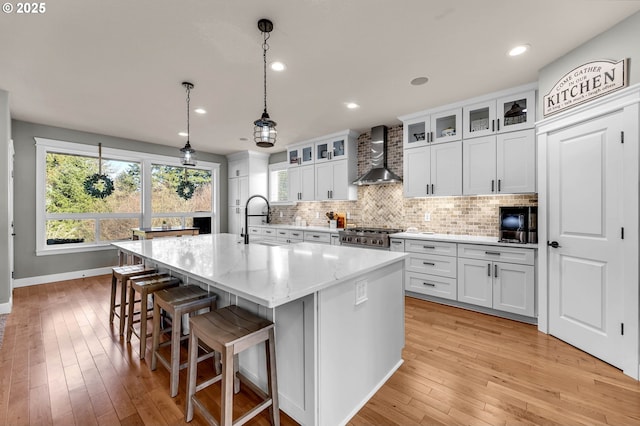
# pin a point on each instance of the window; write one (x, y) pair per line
(69, 219)
(278, 183)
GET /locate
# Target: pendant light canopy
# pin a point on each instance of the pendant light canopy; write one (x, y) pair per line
(264, 131)
(188, 153)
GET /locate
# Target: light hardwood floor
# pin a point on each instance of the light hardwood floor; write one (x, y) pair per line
(62, 363)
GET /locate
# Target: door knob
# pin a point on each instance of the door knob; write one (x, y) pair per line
(553, 244)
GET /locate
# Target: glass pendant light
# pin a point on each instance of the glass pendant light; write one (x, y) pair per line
(188, 153)
(264, 131)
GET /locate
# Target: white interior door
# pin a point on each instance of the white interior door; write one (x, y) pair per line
(585, 181)
(11, 224)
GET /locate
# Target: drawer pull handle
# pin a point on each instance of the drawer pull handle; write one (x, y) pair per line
(295, 235)
(495, 253)
(429, 247)
(316, 236)
(489, 270)
(429, 263)
(495, 271)
(396, 242)
(429, 284)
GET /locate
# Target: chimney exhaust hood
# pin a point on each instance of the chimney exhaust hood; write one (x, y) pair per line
(378, 174)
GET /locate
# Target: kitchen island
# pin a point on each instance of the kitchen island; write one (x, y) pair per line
(339, 313)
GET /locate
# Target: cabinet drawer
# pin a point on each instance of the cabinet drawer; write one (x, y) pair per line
(433, 247)
(254, 230)
(317, 237)
(296, 235)
(283, 233)
(431, 285)
(499, 254)
(269, 233)
(396, 244)
(444, 266)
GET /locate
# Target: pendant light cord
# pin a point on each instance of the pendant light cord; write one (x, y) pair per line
(188, 102)
(265, 47)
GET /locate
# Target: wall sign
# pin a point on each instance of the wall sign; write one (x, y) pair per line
(585, 83)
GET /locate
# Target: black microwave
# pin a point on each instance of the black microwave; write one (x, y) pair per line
(518, 224)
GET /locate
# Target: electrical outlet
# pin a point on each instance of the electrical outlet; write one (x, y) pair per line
(361, 291)
(427, 217)
(348, 215)
(317, 215)
(280, 214)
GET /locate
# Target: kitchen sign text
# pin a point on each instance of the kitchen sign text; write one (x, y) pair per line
(585, 83)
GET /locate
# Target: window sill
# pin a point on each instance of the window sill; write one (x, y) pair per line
(75, 249)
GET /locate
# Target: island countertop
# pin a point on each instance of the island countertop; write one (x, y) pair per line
(268, 275)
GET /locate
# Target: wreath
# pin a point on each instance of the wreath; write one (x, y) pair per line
(186, 189)
(98, 185)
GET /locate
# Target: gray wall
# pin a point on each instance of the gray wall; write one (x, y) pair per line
(619, 42)
(27, 264)
(5, 135)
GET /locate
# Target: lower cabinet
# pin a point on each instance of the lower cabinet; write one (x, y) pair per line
(504, 286)
(495, 277)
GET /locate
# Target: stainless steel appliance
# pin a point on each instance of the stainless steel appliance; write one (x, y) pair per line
(367, 237)
(519, 224)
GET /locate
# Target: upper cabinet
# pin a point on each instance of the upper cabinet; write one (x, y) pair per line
(499, 115)
(333, 166)
(300, 154)
(337, 148)
(436, 127)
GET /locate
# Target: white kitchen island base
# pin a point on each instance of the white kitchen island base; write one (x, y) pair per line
(339, 314)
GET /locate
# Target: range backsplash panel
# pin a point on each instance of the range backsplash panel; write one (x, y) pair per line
(385, 206)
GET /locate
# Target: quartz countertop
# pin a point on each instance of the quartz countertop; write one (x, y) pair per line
(265, 274)
(469, 239)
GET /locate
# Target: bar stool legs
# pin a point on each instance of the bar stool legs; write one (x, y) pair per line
(231, 330)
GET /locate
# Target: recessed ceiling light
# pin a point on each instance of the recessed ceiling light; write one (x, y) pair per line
(519, 50)
(278, 66)
(419, 81)
(352, 105)
(200, 110)
(183, 134)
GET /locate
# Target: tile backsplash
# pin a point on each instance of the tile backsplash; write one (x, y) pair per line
(385, 206)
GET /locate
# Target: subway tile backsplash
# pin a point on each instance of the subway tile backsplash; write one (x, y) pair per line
(385, 205)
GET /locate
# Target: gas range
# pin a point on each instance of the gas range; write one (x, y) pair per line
(367, 237)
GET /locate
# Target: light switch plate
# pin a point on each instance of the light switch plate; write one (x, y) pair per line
(427, 217)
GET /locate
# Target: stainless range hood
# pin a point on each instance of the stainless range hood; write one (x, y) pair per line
(378, 174)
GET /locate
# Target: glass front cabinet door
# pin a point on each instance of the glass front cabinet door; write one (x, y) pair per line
(505, 114)
(300, 155)
(446, 126)
(332, 149)
(516, 112)
(416, 132)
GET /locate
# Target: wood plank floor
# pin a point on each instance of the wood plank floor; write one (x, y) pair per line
(61, 363)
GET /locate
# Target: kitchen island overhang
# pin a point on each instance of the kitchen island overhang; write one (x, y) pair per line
(339, 313)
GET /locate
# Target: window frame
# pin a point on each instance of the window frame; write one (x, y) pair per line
(276, 167)
(45, 146)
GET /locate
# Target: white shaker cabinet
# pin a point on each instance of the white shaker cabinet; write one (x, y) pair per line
(484, 279)
(433, 170)
(434, 127)
(502, 164)
(247, 176)
(333, 181)
(301, 183)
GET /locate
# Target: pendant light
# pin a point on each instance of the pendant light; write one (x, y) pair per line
(188, 153)
(264, 132)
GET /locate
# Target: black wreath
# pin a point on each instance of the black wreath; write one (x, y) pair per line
(98, 186)
(186, 189)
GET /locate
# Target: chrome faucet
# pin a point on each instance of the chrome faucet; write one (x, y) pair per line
(246, 215)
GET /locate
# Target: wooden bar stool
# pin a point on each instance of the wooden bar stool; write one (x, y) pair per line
(122, 274)
(145, 286)
(231, 330)
(176, 302)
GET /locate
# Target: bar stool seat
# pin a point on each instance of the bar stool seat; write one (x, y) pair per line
(145, 286)
(176, 302)
(231, 330)
(122, 274)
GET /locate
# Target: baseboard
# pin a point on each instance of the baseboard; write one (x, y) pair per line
(44, 279)
(5, 308)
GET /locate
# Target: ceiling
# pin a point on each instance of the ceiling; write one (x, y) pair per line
(115, 67)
